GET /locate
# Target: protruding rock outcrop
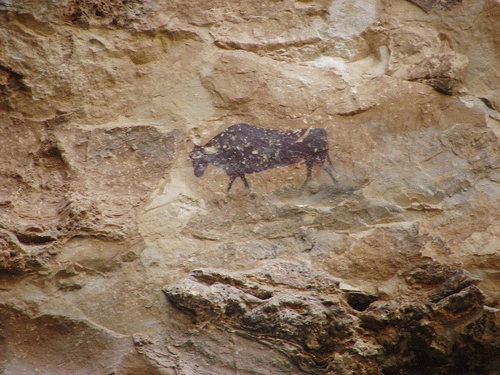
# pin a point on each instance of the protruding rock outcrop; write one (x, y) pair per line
(306, 315)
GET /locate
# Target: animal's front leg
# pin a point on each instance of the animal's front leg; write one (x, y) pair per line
(231, 180)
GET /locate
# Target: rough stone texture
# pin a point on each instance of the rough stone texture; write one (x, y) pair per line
(429, 5)
(394, 270)
(307, 317)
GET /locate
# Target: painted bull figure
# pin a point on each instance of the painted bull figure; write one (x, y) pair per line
(243, 148)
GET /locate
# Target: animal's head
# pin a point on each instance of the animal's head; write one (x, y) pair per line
(199, 160)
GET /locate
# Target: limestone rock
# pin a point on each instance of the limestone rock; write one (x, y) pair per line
(316, 328)
(428, 5)
(55, 189)
(392, 270)
(421, 55)
(55, 344)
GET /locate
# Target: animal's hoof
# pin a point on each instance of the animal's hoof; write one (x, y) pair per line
(253, 195)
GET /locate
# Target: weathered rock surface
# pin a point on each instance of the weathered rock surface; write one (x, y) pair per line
(394, 270)
(307, 316)
(59, 184)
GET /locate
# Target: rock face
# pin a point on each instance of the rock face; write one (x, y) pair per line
(325, 327)
(116, 259)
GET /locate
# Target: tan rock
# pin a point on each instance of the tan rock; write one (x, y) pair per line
(101, 103)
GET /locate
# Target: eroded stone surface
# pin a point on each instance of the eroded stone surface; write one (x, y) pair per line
(321, 333)
(55, 344)
(393, 270)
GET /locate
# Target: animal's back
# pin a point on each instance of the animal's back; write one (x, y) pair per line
(244, 148)
(240, 134)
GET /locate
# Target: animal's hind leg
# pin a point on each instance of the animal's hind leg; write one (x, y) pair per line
(328, 170)
(309, 165)
(247, 185)
(245, 181)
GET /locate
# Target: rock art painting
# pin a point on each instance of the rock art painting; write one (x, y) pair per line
(242, 149)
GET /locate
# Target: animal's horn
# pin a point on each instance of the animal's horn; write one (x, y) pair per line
(196, 153)
(300, 139)
(211, 150)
